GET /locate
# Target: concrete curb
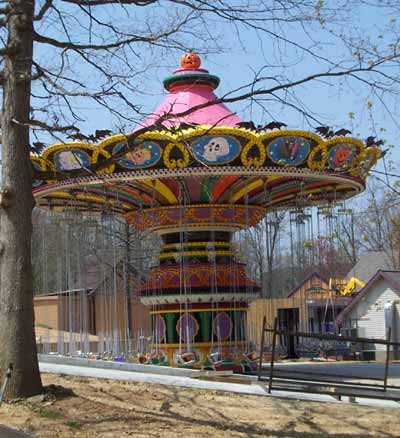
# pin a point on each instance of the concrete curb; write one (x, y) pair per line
(122, 366)
(182, 381)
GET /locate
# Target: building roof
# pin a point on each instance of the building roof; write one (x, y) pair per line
(368, 264)
(392, 277)
(95, 271)
(308, 278)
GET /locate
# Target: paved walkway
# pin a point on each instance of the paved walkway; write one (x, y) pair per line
(6, 432)
(251, 389)
(349, 369)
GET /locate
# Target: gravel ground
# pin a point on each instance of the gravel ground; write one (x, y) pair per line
(108, 408)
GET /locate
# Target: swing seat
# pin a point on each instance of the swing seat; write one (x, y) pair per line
(93, 356)
(215, 357)
(188, 363)
(156, 358)
(187, 359)
(220, 359)
(157, 355)
(142, 359)
(252, 356)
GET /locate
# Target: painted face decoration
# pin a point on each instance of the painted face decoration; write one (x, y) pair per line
(139, 155)
(341, 157)
(216, 148)
(68, 160)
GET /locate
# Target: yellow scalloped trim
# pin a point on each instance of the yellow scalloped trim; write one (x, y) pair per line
(95, 149)
(318, 165)
(334, 141)
(43, 163)
(356, 171)
(256, 162)
(175, 139)
(291, 133)
(113, 139)
(158, 135)
(69, 145)
(172, 163)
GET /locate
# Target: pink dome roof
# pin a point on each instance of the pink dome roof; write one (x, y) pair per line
(189, 88)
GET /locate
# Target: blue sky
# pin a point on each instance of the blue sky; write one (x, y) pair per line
(331, 101)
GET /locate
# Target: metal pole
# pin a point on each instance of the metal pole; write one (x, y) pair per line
(262, 347)
(389, 333)
(5, 382)
(271, 366)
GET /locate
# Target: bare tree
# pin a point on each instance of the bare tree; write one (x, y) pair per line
(58, 57)
(377, 226)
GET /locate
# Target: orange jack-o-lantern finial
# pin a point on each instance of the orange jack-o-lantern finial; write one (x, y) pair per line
(190, 61)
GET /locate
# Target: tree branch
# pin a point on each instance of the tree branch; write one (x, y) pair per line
(47, 5)
(37, 124)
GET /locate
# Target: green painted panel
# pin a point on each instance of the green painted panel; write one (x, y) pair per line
(171, 332)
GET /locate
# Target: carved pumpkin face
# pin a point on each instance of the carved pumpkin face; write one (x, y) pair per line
(190, 61)
(341, 157)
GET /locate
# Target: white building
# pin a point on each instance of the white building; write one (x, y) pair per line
(371, 312)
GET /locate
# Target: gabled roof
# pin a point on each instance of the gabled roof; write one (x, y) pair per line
(392, 277)
(308, 278)
(368, 264)
(95, 271)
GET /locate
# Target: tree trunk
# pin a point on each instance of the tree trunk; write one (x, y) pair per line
(17, 337)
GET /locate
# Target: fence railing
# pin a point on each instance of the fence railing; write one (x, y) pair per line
(338, 385)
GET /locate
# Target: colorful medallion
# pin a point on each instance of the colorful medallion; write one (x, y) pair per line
(140, 156)
(187, 327)
(71, 159)
(341, 156)
(216, 150)
(289, 150)
(222, 326)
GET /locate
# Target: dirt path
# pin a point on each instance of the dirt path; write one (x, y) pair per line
(104, 408)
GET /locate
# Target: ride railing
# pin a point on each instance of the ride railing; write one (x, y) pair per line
(337, 381)
(80, 346)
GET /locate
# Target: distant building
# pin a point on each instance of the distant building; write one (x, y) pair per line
(318, 305)
(374, 309)
(103, 311)
(311, 307)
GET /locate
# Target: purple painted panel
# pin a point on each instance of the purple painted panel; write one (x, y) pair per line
(187, 327)
(222, 326)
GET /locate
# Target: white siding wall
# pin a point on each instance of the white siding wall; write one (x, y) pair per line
(369, 312)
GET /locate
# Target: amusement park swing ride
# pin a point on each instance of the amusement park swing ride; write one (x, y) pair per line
(194, 180)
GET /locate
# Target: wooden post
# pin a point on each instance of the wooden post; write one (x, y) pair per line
(262, 347)
(271, 366)
(389, 333)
